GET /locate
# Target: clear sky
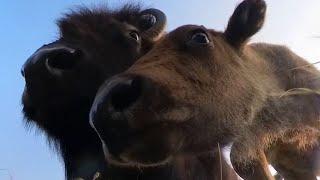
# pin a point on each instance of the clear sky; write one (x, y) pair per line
(26, 25)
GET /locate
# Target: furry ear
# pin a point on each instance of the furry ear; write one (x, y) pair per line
(247, 19)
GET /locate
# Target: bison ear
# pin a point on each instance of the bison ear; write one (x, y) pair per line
(246, 20)
(152, 23)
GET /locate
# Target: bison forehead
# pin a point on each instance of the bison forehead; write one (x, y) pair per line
(84, 21)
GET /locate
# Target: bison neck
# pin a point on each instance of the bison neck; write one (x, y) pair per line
(79, 145)
(83, 166)
(82, 158)
(205, 166)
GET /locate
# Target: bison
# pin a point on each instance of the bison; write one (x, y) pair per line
(199, 87)
(63, 77)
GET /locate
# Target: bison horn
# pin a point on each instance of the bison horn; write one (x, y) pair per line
(153, 23)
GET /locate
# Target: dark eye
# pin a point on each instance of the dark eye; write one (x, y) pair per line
(200, 38)
(147, 21)
(134, 35)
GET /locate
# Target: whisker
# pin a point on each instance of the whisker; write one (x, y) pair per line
(299, 67)
(220, 161)
(294, 91)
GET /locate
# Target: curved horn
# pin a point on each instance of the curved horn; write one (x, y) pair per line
(155, 30)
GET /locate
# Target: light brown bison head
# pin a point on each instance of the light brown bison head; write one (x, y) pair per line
(186, 95)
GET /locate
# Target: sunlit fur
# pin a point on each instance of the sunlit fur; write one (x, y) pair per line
(253, 95)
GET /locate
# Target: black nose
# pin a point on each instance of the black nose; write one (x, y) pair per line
(55, 58)
(116, 96)
(124, 94)
(120, 93)
(62, 59)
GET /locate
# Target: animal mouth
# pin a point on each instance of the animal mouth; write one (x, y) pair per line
(129, 150)
(123, 161)
(28, 109)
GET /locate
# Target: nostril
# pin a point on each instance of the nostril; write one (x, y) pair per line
(125, 94)
(62, 59)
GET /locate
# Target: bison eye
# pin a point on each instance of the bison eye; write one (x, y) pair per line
(147, 21)
(134, 35)
(200, 38)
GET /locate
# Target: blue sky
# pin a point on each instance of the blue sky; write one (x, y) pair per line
(26, 25)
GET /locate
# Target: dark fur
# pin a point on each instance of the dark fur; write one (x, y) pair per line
(60, 106)
(196, 95)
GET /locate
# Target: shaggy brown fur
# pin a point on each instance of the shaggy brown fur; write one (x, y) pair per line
(199, 87)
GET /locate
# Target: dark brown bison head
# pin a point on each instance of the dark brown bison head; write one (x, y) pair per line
(63, 77)
(190, 92)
